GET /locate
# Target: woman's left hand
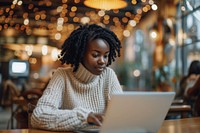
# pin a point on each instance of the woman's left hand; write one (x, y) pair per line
(95, 118)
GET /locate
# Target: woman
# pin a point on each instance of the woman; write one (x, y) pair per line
(78, 96)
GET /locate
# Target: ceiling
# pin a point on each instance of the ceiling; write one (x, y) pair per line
(40, 17)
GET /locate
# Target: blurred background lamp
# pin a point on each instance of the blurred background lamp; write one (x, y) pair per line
(153, 34)
(106, 4)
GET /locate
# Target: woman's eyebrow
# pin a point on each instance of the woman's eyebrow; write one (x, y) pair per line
(100, 51)
(96, 51)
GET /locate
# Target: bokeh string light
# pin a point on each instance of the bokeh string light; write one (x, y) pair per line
(58, 18)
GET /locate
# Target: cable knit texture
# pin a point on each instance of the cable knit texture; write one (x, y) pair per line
(70, 97)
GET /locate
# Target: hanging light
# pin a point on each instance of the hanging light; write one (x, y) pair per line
(106, 4)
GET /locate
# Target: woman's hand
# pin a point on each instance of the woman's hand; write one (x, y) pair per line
(95, 119)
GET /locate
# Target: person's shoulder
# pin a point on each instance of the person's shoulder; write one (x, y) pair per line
(63, 70)
(108, 71)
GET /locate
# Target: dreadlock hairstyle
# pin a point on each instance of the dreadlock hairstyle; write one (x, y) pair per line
(75, 45)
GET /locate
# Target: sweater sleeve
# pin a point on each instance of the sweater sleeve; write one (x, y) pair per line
(48, 114)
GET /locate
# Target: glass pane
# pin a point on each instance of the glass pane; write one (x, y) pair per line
(191, 4)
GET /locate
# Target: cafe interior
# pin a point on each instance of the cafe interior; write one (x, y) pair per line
(160, 39)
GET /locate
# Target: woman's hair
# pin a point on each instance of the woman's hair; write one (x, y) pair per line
(194, 67)
(75, 45)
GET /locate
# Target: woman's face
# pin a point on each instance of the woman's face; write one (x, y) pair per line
(96, 56)
(193, 77)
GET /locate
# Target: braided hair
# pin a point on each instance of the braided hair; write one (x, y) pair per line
(74, 47)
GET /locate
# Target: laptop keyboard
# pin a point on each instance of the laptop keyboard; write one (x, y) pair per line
(89, 129)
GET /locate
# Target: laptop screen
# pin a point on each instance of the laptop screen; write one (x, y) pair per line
(137, 111)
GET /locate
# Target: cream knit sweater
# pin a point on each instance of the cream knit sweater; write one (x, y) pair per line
(70, 97)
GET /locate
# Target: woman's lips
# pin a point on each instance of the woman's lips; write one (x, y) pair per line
(100, 68)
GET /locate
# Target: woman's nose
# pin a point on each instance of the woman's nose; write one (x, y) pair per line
(101, 60)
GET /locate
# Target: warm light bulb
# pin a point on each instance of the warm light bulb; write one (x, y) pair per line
(44, 50)
(106, 4)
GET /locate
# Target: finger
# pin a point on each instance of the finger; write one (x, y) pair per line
(100, 117)
(96, 120)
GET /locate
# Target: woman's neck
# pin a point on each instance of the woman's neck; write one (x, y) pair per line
(84, 75)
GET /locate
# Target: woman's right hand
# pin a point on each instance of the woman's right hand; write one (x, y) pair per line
(95, 119)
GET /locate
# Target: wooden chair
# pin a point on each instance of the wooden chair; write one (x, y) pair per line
(31, 107)
(179, 109)
(11, 95)
(20, 103)
(184, 111)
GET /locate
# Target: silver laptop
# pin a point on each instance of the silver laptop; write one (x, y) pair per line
(136, 112)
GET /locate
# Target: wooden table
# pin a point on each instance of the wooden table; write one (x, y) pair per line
(187, 125)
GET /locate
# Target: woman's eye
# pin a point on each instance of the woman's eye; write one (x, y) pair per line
(95, 55)
(105, 56)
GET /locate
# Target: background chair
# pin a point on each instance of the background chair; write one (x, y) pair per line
(19, 103)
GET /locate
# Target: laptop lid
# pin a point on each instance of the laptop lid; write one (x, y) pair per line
(136, 112)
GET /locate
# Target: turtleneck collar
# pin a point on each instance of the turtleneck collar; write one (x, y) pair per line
(84, 75)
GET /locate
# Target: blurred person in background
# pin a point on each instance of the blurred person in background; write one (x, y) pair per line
(193, 90)
(190, 87)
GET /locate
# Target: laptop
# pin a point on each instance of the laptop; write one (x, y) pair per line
(135, 112)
